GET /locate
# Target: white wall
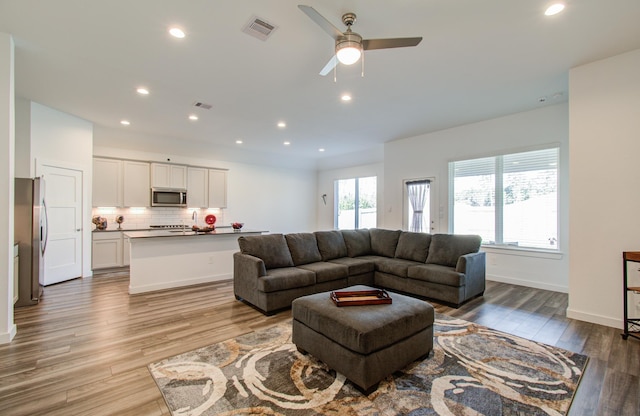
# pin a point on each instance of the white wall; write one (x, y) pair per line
(277, 199)
(428, 155)
(7, 137)
(23, 138)
(604, 198)
(65, 141)
(326, 180)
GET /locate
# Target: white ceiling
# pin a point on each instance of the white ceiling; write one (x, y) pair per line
(477, 60)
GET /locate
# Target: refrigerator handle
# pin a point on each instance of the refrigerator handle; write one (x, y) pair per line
(45, 237)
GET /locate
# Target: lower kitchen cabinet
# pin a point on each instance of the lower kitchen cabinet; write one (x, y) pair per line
(107, 250)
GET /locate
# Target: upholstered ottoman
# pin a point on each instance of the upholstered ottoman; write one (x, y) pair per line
(364, 343)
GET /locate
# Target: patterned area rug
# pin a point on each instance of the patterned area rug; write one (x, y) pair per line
(473, 370)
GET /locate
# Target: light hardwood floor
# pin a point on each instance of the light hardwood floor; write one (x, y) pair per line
(84, 349)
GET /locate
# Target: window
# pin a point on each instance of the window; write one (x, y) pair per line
(418, 203)
(508, 200)
(355, 203)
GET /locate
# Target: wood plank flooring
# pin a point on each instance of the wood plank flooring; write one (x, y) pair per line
(84, 349)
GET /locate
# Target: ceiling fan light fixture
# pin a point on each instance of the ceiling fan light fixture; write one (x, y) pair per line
(349, 48)
(348, 55)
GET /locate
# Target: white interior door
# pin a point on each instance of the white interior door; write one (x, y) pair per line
(63, 196)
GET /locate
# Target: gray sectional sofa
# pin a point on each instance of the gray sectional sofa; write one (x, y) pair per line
(272, 270)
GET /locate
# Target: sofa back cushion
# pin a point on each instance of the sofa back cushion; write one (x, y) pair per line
(303, 248)
(413, 246)
(384, 242)
(271, 248)
(358, 242)
(331, 245)
(446, 248)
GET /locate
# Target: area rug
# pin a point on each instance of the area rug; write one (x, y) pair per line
(473, 370)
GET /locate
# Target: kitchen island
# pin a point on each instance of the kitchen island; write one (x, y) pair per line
(174, 258)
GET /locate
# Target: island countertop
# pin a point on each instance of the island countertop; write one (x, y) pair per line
(189, 233)
(163, 259)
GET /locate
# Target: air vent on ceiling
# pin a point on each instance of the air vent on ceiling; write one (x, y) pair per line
(200, 104)
(259, 28)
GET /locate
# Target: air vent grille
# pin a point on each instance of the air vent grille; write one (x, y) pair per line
(259, 28)
(200, 104)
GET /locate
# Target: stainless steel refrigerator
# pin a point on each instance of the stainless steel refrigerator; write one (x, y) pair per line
(30, 231)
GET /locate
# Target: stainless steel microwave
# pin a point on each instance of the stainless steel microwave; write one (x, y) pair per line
(164, 197)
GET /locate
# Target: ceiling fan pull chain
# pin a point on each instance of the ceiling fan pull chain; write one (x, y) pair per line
(362, 73)
(335, 73)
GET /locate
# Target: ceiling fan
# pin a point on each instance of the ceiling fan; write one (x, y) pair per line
(350, 45)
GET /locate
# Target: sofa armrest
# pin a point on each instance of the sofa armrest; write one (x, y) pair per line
(246, 271)
(473, 266)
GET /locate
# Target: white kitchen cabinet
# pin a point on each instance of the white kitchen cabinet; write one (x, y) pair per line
(126, 246)
(217, 195)
(165, 175)
(197, 187)
(107, 183)
(136, 187)
(106, 250)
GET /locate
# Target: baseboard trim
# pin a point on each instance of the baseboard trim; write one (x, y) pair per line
(527, 283)
(179, 283)
(595, 319)
(7, 337)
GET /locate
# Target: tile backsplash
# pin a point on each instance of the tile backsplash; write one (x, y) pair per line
(137, 218)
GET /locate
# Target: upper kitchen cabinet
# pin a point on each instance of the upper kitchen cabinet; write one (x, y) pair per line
(136, 187)
(107, 182)
(217, 197)
(197, 187)
(165, 175)
(120, 183)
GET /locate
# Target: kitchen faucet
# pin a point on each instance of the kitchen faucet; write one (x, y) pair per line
(194, 217)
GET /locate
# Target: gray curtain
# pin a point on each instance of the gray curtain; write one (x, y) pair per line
(417, 192)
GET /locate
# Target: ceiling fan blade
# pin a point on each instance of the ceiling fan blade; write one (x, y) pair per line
(326, 25)
(329, 66)
(369, 44)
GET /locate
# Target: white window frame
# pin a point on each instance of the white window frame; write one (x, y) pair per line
(336, 200)
(499, 202)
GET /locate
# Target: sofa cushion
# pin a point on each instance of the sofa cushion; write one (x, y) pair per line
(358, 242)
(396, 267)
(446, 248)
(355, 266)
(331, 244)
(384, 242)
(327, 272)
(413, 246)
(285, 278)
(271, 248)
(303, 248)
(435, 273)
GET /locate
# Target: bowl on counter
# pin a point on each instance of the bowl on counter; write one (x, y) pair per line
(237, 226)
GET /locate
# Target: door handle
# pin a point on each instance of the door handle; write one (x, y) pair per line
(78, 229)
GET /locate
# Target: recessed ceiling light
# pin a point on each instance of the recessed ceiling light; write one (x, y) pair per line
(553, 9)
(238, 141)
(286, 143)
(177, 32)
(282, 124)
(321, 150)
(125, 122)
(193, 117)
(143, 91)
(346, 97)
